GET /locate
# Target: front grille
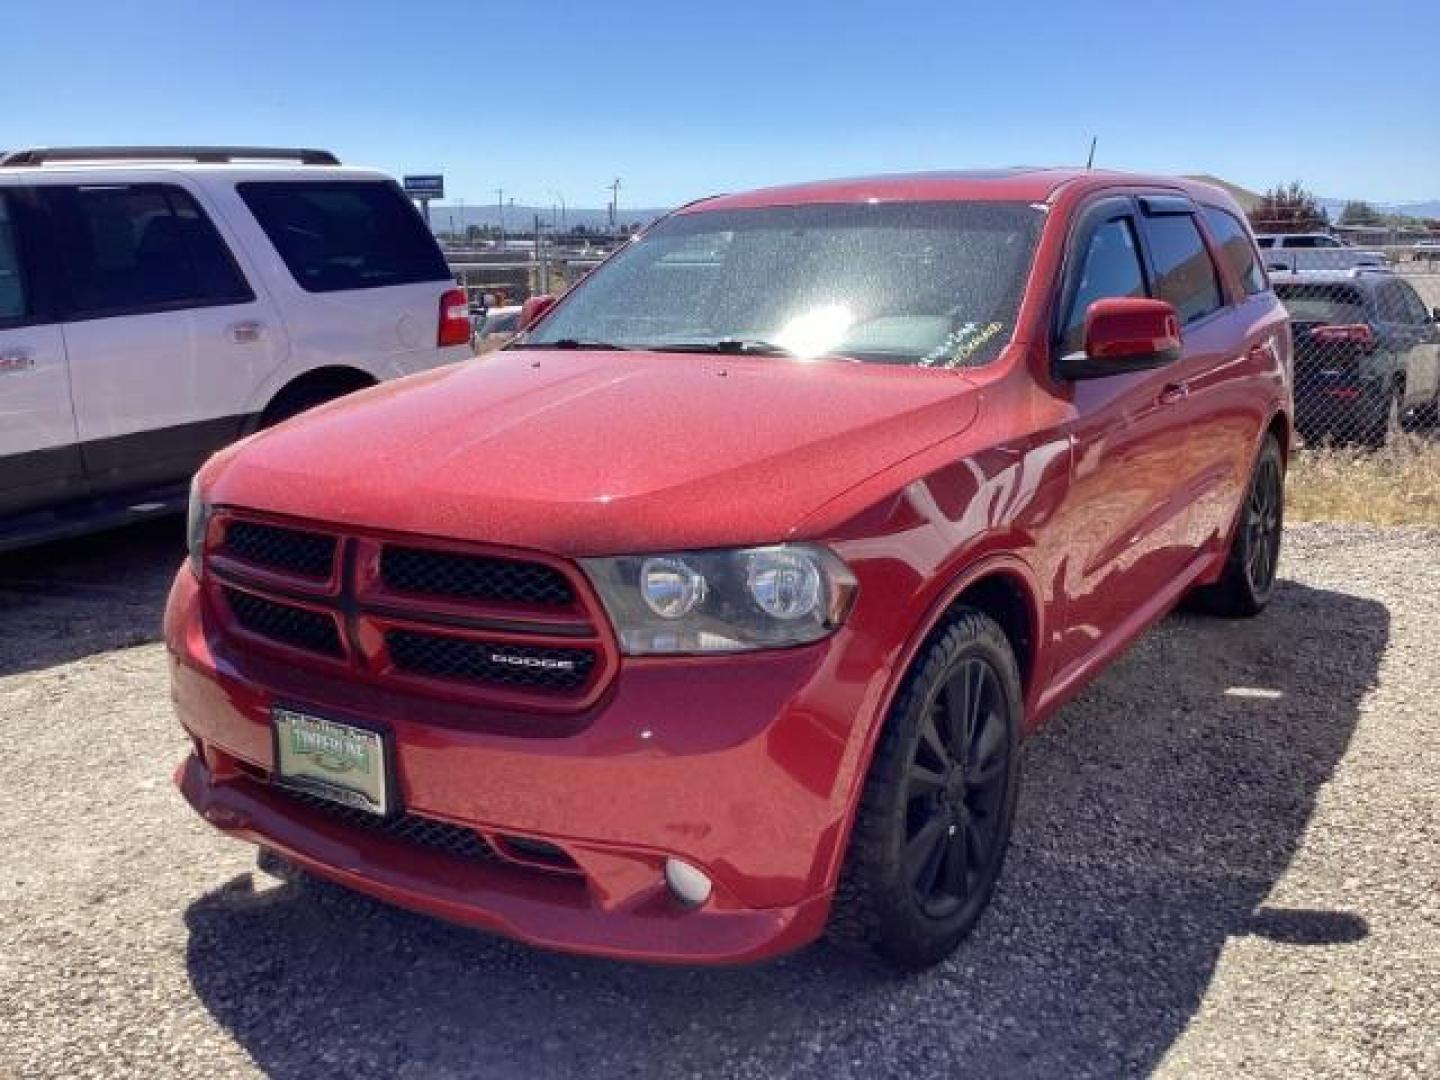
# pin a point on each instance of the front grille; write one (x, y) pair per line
(473, 577)
(397, 611)
(290, 551)
(526, 666)
(285, 623)
(425, 832)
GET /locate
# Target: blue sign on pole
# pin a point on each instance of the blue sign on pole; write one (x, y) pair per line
(424, 187)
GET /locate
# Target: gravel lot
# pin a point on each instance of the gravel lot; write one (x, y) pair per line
(1227, 861)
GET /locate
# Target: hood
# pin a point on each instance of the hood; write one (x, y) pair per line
(596, 452)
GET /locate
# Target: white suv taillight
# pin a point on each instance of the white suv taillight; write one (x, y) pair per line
(454, 318)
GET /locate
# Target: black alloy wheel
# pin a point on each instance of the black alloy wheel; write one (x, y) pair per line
(955, 788)
(1264, 516)
(934, 819)
(1247, 582)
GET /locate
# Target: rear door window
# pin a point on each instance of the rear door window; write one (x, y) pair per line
(133, 248)
(14, 305)
(1184, 273)
(1236, 249)
(338, 235)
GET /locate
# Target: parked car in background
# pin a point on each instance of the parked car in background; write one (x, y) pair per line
(712, 611)
(497, 327)
(1367, 354)
(1314, 251)
(158, 303)
(1425, 251)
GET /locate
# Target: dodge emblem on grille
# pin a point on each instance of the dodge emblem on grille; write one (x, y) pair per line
(532, 662)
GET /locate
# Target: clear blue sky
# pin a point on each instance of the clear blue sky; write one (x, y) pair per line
(686, 98)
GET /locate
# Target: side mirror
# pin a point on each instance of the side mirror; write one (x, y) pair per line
(534, 309)
(1125, 334)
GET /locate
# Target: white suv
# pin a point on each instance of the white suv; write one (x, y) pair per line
(158, 303)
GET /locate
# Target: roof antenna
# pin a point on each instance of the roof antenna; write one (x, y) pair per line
(1090, 161)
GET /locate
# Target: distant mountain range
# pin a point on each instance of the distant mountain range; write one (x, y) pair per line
(1428, 209)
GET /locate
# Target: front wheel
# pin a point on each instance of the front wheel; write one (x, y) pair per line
(1248, 580)
(934, 821)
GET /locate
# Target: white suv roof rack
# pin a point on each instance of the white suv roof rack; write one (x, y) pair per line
(205, 155)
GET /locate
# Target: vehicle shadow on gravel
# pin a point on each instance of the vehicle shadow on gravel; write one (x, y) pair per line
(69, 600)
(1157, 813)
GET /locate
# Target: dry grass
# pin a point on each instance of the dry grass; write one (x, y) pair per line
(1399, 485)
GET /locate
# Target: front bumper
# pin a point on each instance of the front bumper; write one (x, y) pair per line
(741, 766)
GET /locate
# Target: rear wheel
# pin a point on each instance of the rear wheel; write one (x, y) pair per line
(306, 393)
(934, 821)
(1248, 581)
(1382, 416)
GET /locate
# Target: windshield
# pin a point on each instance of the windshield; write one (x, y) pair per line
(933, 284)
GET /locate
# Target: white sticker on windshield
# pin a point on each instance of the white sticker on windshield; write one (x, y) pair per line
(961, 344)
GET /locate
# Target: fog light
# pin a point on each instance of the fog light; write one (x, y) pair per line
(688, 885)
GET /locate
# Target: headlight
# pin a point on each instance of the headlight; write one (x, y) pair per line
(723, 601)
(197, 523)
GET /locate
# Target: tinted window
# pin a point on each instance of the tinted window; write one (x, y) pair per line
(1111, 268)
(346, 234)
(1184, 274)
(140, 247)
(1235, 248)
(935, 284)
(1265, 241)
(12, 282)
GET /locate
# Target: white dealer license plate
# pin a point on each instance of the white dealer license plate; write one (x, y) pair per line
(340, 762)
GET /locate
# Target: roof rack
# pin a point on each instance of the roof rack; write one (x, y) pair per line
(207, 155)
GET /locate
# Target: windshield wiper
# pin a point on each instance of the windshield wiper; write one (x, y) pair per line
(726, 347)
(574, 343)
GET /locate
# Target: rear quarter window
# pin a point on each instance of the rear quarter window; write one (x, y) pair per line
(339, 235)
(1235, 248)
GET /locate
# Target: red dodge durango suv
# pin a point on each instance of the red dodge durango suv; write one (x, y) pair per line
(710, 614)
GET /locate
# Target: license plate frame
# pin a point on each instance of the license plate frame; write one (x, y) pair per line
(317, 754)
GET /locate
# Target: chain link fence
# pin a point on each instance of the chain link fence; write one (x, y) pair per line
(1366, 326)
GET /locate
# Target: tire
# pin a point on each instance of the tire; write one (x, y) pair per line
(277, 866)
(303, 396)
(1382, 416)
(934, 820)
(1248, 580)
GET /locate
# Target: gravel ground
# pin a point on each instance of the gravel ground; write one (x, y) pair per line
(1226, 863)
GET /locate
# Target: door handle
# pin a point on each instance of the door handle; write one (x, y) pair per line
(13, 361)
(1174, 393)
(246, 333)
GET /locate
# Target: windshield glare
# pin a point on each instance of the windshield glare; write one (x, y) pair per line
(932, 284)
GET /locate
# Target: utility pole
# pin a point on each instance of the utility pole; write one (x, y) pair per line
(500, 206)
(542, 261)
(614, 203)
